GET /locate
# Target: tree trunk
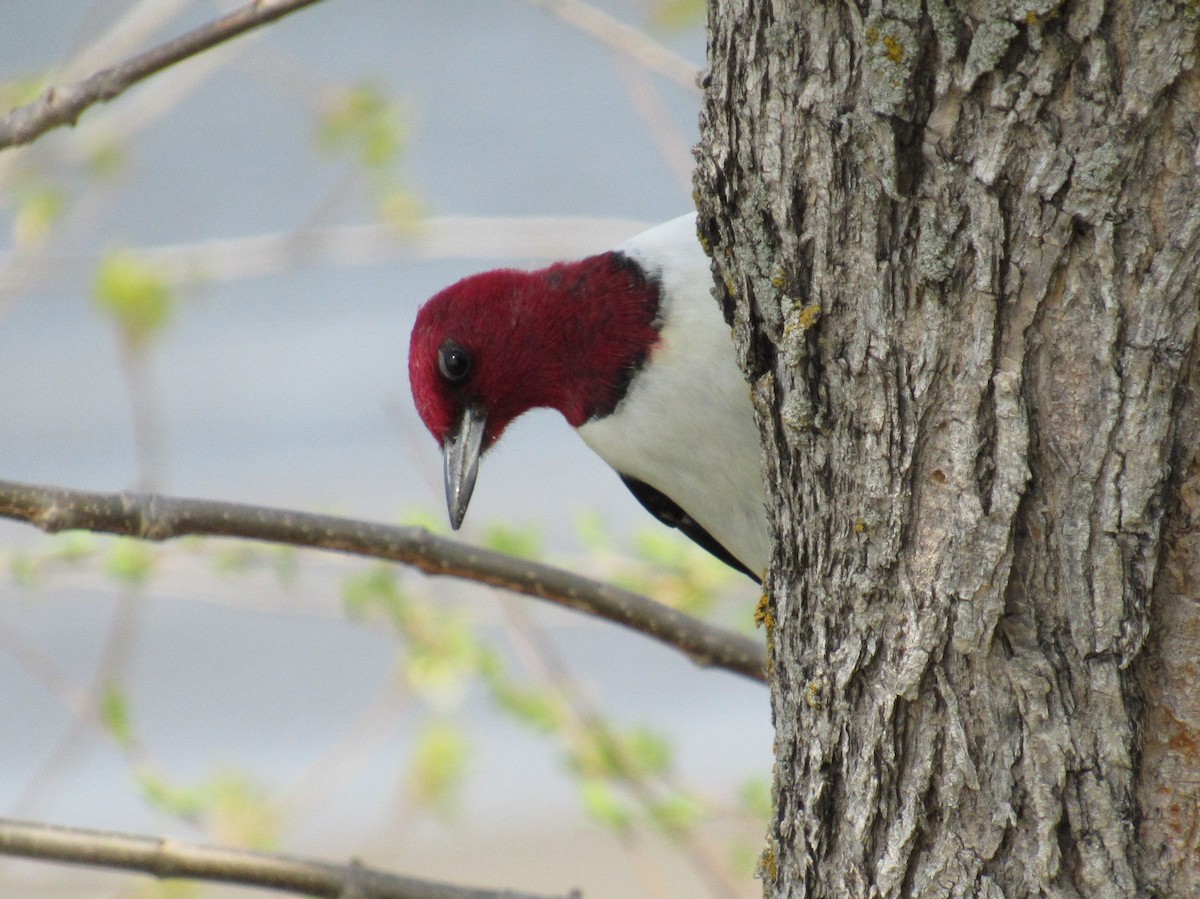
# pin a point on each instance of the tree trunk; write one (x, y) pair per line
(959, 244)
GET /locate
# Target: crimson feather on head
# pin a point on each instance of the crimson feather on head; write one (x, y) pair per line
(568, 337)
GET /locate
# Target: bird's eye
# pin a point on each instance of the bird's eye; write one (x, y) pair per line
(454, 362)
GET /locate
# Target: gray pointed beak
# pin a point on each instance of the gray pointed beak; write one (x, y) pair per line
(460, 453)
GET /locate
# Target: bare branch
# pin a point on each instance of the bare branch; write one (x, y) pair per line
(149, 516)
(62, 105)
(165, 858)
(436, 237)
(624, 39)
(433, 237)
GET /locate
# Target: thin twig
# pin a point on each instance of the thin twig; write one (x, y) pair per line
(589, 723)
(436, 237)
(149, 516)
(126, 619)
(673, 146)
(349, 754)
(63, 104)
(114, 660)
(165, 858)
(625, 39)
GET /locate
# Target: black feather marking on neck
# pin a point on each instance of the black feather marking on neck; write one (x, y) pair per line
(648, 287)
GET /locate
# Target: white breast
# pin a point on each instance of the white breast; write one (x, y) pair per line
(686, 426)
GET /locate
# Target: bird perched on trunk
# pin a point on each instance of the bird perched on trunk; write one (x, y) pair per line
(631, 348)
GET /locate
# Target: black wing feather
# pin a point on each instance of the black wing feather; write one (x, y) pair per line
(668, 512)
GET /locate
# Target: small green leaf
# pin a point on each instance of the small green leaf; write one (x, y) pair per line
(130, 561)
(402, 209)
(364, 121)
(634, 755)
(23, 90)
(114, 712)
(135, 294)
(286, 562)
(602, 804)
(522, 542)
(660, 546)
(674, 813)
(37, 213)
(442, 655)
(240, 812)
(73, 546)
(374, 591)
(598, 754)
(183, 802)
(430, 520)
(106, 160)
(25, 571)
(743, 857)
(648, 751)
(236, 810)
(676, 572)
(438, 766)
(592, 532)
(678, 14)
(754, 796)
(540, 709)
(236, 558)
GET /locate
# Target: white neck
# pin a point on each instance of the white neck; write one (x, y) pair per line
(686, 425)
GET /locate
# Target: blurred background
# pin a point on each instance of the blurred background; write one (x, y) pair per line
(206, 289)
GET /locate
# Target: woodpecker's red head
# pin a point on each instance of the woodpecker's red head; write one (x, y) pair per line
(569, 337)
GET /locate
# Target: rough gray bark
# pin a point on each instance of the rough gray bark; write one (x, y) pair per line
(960, 249)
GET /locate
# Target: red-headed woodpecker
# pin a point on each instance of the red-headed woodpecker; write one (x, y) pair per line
(631, 348)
